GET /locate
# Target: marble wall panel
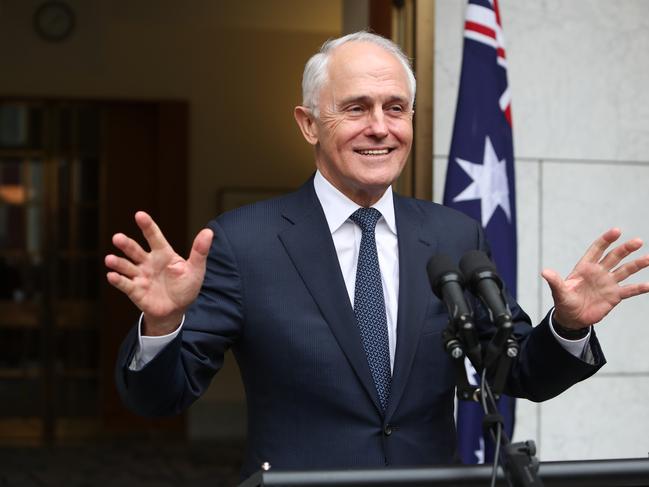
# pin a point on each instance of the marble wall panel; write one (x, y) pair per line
(578, 72)
(449, 25)
(602, 417)
(579, 202)
(528, 421)
(528, 224)
(439, 177)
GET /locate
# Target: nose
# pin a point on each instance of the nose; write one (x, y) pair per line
(377, 125)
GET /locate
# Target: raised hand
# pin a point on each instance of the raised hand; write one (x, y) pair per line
(160, 282)
(593, 287)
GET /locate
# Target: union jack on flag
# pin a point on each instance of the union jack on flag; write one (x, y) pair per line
(480, 179)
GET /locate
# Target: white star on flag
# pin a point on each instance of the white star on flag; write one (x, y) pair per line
(479, 453)
(490, 184)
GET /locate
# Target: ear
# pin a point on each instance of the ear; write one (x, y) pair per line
(306, 122)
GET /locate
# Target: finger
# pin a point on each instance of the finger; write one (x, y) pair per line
(615, 256)
(630, 268)
(120, 282)
(201, 248)
(130, 247)
(121, 265)
(599, 246)
(631, 290)
(151, 231)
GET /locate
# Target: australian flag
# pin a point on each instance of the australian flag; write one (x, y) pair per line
(480, 179)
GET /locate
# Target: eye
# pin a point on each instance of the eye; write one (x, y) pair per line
(396, 109)
(355, 109)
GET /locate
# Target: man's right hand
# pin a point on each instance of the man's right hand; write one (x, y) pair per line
(160, 282)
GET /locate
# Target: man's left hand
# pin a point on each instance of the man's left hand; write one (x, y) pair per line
(593, 287)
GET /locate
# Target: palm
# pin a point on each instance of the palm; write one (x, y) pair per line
(167, 283)
(593, 288)
(160, 282)
(589, 294)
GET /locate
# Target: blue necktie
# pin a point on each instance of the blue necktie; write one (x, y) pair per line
(369, 304)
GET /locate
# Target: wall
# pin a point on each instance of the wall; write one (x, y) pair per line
(239, 65)
(579, 73)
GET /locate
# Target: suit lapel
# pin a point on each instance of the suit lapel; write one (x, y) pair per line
(311, 249)
(415, 248)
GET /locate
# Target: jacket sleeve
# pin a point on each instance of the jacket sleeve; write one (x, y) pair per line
(182, 371)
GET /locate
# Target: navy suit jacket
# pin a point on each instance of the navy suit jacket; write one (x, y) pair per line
(274, 294)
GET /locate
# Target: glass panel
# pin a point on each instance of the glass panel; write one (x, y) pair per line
(21, 279)
(65, 129)
(89, 278)
(63, 228)
(78, 278)
(11, 280)
(88, 180)
(65, 281)
(12, 189)
(20, 374)
(20, 396)
(35, 180)
(34, 229)
(77, 396)
(78, 348)
(13, 126)
(32, 279)
(89, 131)
(21, 126)
(20, 350)
(64, 182)
(10, 171)
(88, 229)
(36, 128)
(12, 227)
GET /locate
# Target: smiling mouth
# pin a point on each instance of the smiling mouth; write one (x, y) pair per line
(373, 152)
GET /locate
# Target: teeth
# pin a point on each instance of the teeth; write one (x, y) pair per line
(378, 152)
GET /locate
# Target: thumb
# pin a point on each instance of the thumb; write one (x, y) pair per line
(201, 248)
(554, 280)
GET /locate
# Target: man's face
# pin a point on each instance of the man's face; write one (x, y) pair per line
(364, 131)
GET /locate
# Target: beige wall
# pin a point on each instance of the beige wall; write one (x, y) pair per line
(238, 64)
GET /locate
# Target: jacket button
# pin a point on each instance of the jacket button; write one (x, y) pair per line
(387, 430)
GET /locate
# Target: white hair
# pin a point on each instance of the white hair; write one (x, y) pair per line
(316, 73)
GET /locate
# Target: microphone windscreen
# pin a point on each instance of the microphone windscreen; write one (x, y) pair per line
(475, 261)
(440, 269)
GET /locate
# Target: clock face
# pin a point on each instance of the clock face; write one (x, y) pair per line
(54, 21)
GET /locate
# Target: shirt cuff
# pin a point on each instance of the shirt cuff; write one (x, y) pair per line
(148, 347)
(576, 348)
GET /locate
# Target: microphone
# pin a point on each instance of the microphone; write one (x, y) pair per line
(447, 284)
(483, 281)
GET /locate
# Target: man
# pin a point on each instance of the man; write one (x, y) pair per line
(332, 378)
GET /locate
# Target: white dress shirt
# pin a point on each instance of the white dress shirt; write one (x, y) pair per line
(346, 236)
(347, 240)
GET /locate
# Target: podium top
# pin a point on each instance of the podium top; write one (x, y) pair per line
(588, 473)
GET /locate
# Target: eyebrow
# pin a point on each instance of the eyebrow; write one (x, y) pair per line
(368, 100)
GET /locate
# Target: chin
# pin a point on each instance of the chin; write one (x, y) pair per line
(378, 182)
(384, 174)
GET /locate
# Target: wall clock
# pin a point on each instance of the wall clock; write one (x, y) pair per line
(54, 21)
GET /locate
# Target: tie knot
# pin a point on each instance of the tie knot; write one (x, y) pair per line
(366, 218)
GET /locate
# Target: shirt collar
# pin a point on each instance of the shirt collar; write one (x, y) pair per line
(337, 207)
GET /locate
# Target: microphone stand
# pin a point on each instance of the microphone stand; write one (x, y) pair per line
(518, 460)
